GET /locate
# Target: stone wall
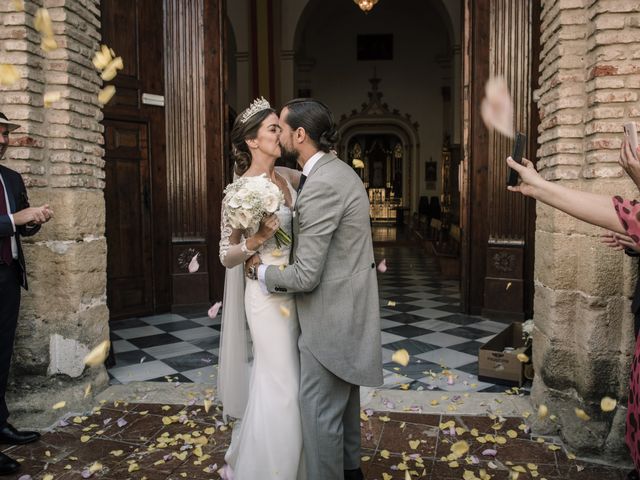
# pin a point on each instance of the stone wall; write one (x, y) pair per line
(58, 151)
(583, 340)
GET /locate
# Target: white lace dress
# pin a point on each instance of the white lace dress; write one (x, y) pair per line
(267, 442)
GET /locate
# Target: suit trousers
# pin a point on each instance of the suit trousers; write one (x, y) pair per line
(9, 307)
(330, 409)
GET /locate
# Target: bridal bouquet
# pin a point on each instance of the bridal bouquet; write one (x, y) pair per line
(248, 200)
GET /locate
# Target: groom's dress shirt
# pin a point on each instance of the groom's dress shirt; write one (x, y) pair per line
(306, 170)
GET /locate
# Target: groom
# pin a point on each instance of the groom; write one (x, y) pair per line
(333, 273)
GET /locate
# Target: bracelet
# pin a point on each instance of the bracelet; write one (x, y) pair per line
(244, 249)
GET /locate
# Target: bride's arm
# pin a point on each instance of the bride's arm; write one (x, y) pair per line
(290, 174)
(235, 249)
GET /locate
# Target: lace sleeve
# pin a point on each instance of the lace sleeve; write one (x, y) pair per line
(232, 253)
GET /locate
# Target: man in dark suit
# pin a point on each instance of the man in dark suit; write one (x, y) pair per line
(17, 219)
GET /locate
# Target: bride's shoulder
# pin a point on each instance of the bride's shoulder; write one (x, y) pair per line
(293, 176)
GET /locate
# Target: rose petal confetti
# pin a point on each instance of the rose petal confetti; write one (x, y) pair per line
(42, 22)
(106, 94)
(543, 411)
(608, 404)
(49, 44)
(207, 405)
(522, 357)
(382, 266)
(121, 422)
(50, 98)
(194, 266)
(401, 357)
(581, 414)
(357, 163)
(284, 311)
(19, 6)
(98, 355)
(489, 452)
(8, 74)
(215, 308)
(87, 390)
(497, 107)
(59, 405)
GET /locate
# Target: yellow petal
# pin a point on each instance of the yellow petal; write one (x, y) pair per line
(8, 74)
(116, 453)
(116, 63)
(166, 421)
(532, 466)
(48, 476)
(608, 404)
(474, 432)
(59, 405)
(207, 405)
(384, 419)
(401, 357)
(434, 403)
(284, 311)
(523, 357)
(519, 468)
(581, 414)
(365, 458)
(98, 355)
(512, 433)
(106, 94)
(571, 456)
(414, 444)
(385, 454)
(87, 390)
(281, 268)
(50, 98)
(543, 411)
(18, 5)
(407, 476)
(42, 22)
(357, 163)
(95, 467)
(133, 467)
(48, 44)
(364, 417)
(85, 438)
(553, 448)
(108, 73)
(391, 303)
(460, 448)
(405, 386)
(454, 464)
(386, 476)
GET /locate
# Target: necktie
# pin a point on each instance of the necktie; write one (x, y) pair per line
(303, 178)
(5, 243)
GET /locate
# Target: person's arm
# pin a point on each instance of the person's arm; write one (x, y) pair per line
(235, 250)
(589, 207)
(319, 216)
(629, 162)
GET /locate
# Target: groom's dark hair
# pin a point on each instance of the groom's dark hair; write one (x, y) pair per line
(316, 119)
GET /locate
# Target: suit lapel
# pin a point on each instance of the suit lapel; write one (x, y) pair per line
(8, 189)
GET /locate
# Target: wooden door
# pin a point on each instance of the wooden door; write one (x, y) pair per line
(502, 38)
(128, 222)
(136, 179)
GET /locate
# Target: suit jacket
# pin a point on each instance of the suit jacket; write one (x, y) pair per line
(18, 200)
(334, 273)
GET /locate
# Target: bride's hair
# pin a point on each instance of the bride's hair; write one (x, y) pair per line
(240, 133)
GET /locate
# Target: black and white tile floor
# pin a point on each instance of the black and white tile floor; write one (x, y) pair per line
(425, 320)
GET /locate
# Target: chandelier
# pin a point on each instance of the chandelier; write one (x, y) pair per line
(366, 5)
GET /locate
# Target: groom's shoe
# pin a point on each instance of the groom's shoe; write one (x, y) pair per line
(8, 465)
(10, 436)
(353, 474)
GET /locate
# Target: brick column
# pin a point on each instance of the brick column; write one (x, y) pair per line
(58, 151)
(583, 340)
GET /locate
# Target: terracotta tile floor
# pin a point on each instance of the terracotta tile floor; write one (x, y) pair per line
(132, 441)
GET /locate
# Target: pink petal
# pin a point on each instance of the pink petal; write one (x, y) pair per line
(122, 422)
(194, 266)
(25, 477)
(490, 452)
(226, 473)
(213, 311)
(382, 266)
(497, 107)
(474, 460)
(62, 423)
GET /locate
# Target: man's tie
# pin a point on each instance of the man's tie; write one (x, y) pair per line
(5, 243)
(303, 178)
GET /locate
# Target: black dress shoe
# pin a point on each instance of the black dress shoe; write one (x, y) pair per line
(353, 474)
(8, 465)
(11, 436)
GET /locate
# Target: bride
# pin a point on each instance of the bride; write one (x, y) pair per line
(267, 440)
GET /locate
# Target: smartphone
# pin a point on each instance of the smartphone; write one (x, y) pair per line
(631, 132)
(518, 151)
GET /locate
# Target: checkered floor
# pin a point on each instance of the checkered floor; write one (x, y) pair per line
(425, 320)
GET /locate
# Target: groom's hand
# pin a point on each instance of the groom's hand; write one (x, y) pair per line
(251, 267)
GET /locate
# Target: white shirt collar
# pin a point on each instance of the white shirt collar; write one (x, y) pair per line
(306, 170)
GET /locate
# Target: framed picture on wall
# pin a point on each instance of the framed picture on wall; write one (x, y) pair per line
(431, 171)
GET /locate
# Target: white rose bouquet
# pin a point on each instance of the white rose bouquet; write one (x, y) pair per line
(248, 200)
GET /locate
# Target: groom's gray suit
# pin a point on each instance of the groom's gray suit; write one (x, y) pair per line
(334, 276)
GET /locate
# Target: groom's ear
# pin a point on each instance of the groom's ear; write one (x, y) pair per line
(300, 135)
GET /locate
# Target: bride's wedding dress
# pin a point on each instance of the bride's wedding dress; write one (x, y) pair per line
(267, 442)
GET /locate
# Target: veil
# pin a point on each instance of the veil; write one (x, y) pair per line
(235, 347)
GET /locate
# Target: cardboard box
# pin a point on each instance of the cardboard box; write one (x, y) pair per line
(497, 365)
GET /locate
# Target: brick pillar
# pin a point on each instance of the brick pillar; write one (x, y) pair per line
(58, 151)
(583, 340)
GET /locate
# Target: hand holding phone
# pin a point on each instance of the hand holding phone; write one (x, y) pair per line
(632, 135)
(518, 151)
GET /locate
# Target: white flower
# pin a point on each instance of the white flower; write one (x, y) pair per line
(271, 203)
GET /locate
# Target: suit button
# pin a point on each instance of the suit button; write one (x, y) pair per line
(373, 265)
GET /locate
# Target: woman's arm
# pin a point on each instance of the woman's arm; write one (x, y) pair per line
(234, 249)
(589, 207)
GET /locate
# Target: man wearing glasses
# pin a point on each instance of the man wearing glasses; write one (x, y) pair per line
(17, 219)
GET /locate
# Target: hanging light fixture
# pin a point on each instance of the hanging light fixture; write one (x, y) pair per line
(366, 5)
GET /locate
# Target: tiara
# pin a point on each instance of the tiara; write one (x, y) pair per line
(258, 105)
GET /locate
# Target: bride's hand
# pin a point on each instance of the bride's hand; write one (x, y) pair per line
(530, 179)
(268, 227)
